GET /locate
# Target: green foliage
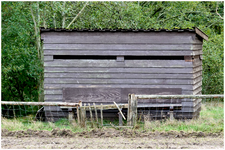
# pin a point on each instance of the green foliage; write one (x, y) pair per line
(22, 69)
(20, 66)
(213, 64)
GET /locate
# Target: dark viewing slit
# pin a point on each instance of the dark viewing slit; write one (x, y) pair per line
(95, 57)
(154, 57)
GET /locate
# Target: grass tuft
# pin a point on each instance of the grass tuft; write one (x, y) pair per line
(211, 119)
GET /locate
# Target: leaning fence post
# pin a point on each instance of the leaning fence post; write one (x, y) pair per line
(132, 110)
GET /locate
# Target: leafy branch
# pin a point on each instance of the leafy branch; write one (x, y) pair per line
(217, 11)
(77, 15)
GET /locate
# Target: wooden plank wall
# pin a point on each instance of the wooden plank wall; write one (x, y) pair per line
(81, 73)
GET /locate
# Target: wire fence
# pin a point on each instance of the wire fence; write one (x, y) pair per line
(156, 107)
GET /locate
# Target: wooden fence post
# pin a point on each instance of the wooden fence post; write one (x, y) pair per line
(70, 115)
(96, 113)
(91, 115)
(78, 115)
(132, 110)
(82, 116)
(101, 115)
(120, 120)
(171, 113)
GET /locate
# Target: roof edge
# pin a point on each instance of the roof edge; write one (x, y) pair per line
(201, 34)
(194, 29)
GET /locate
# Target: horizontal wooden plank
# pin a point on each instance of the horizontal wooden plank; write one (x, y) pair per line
(123, 70)
(50, 100)
(197, 58)
(56, 116)
(52, 113)
(113, 63)
(53, 97)
(60, 86)
(159, 105)
(196, 80)
(59, 91)
(196, 91)
(198, 52)
(197, 85)
(92, 94)
(119, 37)
(119, 95)
(197, 74)
(53, 108)
(196, 64)
(120, 81)
(49, 92)
(48, 58)
(122, 53)
(197, 69)
(191, 104)
(191, 109)
(120, 47)
(120, 76)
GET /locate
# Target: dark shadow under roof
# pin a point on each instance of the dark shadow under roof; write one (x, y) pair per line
(194, 29)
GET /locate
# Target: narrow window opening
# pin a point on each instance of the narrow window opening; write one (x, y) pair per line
(94, 57)
(154, 57)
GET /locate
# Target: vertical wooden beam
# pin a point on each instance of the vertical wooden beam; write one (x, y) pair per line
(83, 116)
(132, 110)
(70, 114)
(91, 114)
(171, 113)
(101, 115)
(78, 115)
(120, 58)
(129, 111)
(120, 120)
(188, 58)
(96, 113)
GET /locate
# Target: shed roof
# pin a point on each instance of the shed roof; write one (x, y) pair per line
(194, 29)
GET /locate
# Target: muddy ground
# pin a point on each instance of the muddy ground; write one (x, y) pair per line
(110, 139)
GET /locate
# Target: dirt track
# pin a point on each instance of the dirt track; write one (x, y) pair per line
(110, 139)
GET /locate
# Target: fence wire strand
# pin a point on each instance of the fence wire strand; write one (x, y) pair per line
(148, 110)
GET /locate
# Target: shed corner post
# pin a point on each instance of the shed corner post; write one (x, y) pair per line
(132, 110)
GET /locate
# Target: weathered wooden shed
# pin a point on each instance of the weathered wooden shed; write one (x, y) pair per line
(103, 66)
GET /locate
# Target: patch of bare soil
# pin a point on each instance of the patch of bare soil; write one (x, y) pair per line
(110, 139)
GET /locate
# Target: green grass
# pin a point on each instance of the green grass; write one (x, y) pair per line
(211, 120)
(25, 123)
